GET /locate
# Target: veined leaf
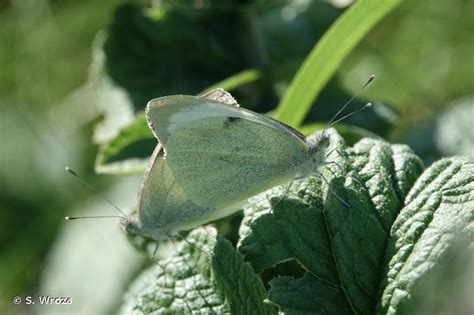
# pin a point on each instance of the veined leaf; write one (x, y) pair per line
(438, 209)
(237, 282)
(365, 232)
(205, 275)
(180, 284)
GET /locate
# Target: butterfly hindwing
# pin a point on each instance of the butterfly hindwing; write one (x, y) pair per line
(163, 205)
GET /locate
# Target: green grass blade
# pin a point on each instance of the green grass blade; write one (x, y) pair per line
(327, 55)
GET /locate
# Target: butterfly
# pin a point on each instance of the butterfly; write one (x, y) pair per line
(212, 156)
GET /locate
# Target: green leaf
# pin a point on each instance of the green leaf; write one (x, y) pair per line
(299, 225)
(111, 100)
(129, 151)
(203, 275)
(327, 55)
(438, 208)
(446, 288)
(341, 244)
(236, 280)
(180, 284)
(366, 233)
(307, 295)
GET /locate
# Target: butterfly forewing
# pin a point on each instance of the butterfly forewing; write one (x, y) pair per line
(220, 154)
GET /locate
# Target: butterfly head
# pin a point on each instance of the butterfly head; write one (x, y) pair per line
(132, 224)
(318, 147)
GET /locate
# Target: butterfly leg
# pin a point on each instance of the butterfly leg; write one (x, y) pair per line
(334, 150)
(333, 162)
(286, 191)
(332, 192)
(156, 261)
(163, 269)
(157, 245)
(176, 236)
(279, 200)
(338, 165)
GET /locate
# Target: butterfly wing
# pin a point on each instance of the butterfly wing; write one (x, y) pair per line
(163, 206)
(222, 154)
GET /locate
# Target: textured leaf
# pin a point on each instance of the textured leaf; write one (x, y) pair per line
(243, 290)
(129, 151)
(367, 232)
(341, 245)
(203, 275)
(447, 288)
(439, 208)
(180, 284)
(308, 295)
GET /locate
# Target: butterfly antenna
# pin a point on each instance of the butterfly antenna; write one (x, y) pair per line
(73, 173)
(352, 113)
(333, 121)
(92, 217)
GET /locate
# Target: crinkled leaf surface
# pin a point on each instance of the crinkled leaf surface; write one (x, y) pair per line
(438, 208)
(179, 284)
(338, 234)
(236, 280)
(365, 231)
(344, 245)
(205, 275)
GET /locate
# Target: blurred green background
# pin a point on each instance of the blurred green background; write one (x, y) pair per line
(74, 73)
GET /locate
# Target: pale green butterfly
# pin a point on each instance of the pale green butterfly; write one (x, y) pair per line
(214, 155)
